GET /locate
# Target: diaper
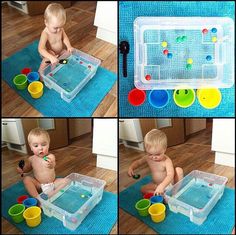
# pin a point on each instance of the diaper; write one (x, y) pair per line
(47, 188)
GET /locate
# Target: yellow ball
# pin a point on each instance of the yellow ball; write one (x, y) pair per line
(189, 61)
(214, 39)
(164, 44)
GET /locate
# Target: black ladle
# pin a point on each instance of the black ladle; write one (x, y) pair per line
(62, 61)
(124, 49)
(21, 164)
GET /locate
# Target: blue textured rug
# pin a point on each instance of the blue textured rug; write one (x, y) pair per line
(219, 221)
(99, 221)
(51, 104)
(128, 12)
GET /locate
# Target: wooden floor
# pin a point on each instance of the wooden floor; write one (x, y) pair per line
(19, 30)
(194, 154)
(77, 158)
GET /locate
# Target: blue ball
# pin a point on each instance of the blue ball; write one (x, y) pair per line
(213, 30)
(208, 58)
(169, 55)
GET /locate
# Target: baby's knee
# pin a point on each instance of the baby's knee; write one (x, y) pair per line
(179, 171)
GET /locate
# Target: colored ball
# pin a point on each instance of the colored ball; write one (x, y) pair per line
(169, 55)
(137, 176)
(214, 39)
(184, 38)
(148, 77)
(208, 58)
(213, 30)
(188, 66)
(179, 39)
(165, 52)
(204, 31)
(164, 44)
(189, 61)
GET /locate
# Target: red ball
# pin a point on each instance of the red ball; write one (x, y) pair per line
(204, 31)
(148, 77)
(165, 52)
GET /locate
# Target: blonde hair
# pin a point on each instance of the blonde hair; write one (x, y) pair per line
(155, 138)
(56, 10)
(38, 132)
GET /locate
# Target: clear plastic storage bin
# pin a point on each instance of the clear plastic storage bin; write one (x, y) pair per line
(68, 79)
(199, 52)
(73, 201)
(195, 195)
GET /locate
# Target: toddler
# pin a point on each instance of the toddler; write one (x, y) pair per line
(161, 167)
(53, 38)
(44, 177)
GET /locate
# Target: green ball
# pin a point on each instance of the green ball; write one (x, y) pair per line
(188, 66)
(178, 39)
(184, 38)
(137, 176)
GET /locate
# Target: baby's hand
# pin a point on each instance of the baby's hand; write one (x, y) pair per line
(159, 190)
(49, 163)
(130, 172)
(19, 170)
(70, 49)
(54, 60)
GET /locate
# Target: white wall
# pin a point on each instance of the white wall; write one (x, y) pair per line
(223, 141)
(105, 142)
(106, 21)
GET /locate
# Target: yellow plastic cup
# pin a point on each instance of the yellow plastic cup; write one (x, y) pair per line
(35, 89)
(157, 212)
(209, 98)
(32, 216)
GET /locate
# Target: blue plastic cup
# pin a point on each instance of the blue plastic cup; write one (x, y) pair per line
(33, 76)
(156, 199)
(31, 201)
(158, 98)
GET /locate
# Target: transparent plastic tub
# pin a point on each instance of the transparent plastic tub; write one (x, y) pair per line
(73, 202)
(154, 70)
(68, 79)
(196, 195)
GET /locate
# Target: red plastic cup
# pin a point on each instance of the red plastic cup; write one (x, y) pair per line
(26, 71)
(148, 195)
(136, 97)
(21, 199)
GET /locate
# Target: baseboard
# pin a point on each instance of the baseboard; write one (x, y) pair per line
(226, 159)
(107, 162)
(107, 35)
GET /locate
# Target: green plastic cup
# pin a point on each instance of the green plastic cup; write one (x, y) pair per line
(142, 207)
(20, 81)
(184, 97)
(16, 212)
